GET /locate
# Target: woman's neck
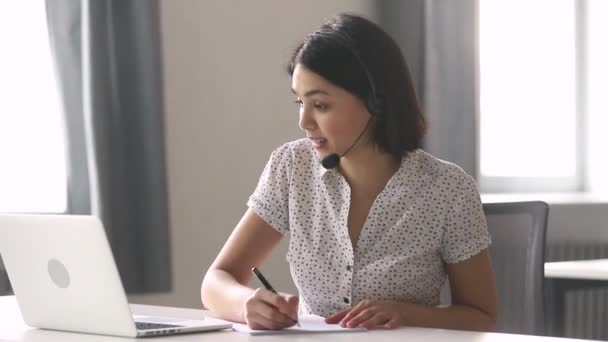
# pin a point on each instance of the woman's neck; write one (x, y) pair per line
(368, 169)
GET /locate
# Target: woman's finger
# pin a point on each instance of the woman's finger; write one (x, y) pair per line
(337, 317)
(376, 321)
(392, 323)
(279, 302)
(290, 306)
(362, 305)
(363, 316)
(269, 297)
(259, 322)
(273, 314)
(260, 305)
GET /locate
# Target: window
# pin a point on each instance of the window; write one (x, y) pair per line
(539, 92)
(32, 149)
(596, 99)
(528, 105)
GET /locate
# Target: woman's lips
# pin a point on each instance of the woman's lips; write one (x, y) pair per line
(318, 143)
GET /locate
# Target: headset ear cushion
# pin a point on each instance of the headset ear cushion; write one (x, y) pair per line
(375, 105)
(372, 108)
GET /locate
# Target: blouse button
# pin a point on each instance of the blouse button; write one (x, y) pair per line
(346, 300)
(349, 268)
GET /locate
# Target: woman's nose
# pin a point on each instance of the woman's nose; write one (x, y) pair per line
(306, 122)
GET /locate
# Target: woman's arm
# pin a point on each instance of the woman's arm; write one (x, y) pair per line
(474, 303)
(224, 290)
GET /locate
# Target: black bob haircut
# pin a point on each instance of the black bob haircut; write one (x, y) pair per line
(358, 56)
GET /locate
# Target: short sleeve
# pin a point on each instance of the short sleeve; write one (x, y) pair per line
(466, 233)
(270, 200)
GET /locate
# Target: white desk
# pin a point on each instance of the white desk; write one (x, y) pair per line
(12, 328)
(564, 276)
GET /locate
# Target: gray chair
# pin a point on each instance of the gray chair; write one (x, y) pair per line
(518, 232)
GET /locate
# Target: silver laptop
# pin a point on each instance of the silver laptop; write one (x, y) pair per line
(64, 277)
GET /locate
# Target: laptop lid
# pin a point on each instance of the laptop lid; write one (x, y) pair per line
(63, 274)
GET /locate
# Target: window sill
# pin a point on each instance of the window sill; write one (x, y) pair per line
(565, 198)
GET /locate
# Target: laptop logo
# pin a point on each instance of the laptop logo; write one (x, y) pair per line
(58, 273)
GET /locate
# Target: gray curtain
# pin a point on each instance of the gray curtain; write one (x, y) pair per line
(107, 57)
(439, 39)
(5, 286)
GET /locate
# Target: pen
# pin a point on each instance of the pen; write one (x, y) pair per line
(266, 284)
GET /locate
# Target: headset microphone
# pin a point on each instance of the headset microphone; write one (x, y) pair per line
(333, 160)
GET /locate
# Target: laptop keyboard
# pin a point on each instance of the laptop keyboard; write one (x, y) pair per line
(149, 326)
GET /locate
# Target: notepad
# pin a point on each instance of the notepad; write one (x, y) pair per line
(308, 324)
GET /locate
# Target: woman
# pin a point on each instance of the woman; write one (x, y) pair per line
(374, 223)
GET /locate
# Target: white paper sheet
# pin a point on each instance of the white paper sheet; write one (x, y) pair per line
(308, 324)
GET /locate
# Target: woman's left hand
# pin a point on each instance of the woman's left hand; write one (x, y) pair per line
(370, 314)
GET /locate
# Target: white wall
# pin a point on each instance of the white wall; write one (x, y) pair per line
(228, 104)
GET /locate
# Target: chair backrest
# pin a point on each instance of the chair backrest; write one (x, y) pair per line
(518, 255)
(518, 232)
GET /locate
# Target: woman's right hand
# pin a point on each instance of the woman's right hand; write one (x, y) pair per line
(265, 310)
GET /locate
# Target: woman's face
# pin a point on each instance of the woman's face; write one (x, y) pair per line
(332, 117)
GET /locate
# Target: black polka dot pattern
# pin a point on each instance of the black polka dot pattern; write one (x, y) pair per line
(428, 214)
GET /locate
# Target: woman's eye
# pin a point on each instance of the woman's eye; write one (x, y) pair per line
(317, 105)
(320, 106)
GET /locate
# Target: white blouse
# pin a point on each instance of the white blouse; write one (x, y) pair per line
(428, 214)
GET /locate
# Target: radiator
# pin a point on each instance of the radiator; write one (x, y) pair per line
(586, 310)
